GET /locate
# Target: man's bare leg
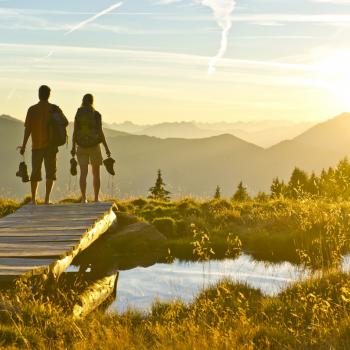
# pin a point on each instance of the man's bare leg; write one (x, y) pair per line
(34, 188)
(49, 186)
(96, 180)
(83, 175)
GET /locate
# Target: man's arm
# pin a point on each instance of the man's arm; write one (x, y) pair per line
(27, 132)
(74, 142)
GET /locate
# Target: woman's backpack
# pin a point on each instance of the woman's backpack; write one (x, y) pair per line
(58, 123)
(87, 129)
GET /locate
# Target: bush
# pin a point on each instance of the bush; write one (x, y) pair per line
(165, 225)
(139, 202)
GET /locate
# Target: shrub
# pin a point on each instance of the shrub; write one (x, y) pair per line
(165, 225)
(139, 202)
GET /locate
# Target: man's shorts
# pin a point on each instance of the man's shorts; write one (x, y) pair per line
(89, 155)
(48, 156)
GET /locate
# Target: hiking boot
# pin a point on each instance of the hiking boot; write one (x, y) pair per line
(73, 167)
(109, 164)
(23, 172)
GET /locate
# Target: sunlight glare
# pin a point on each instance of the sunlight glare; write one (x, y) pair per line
(335, 69)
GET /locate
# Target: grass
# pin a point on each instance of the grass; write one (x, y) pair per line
(313, 232)
(313, 314)
(309, 315)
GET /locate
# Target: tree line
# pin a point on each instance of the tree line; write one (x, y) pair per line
(333, 183)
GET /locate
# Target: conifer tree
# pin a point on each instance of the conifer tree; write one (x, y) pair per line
(158, 191)
(217, 194)
(241, 193)
(313, 186)
(277, 188)
(298, 183)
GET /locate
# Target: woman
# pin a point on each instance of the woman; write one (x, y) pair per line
(87, 136)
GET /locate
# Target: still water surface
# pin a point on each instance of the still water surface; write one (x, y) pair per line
(139, 287)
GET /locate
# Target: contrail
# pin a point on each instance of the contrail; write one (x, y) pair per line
(45, 57)
(93, 18)
(12, 92)
(222, 13)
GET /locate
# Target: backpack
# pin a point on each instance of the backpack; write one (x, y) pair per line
(87, 132)
(58, 123)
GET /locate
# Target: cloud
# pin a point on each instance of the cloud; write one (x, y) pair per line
(93, 18)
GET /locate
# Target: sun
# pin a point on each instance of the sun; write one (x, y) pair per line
(334, 70)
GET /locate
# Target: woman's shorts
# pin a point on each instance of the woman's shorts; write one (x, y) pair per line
(89, 155)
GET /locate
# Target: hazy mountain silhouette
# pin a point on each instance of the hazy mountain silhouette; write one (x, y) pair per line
(191, 166)
(262, 133)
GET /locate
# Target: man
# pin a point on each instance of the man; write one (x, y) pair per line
(36, 126)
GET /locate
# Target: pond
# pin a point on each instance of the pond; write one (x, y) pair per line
(138, 288)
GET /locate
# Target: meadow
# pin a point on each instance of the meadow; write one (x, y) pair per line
(312, 232)
(311, 314)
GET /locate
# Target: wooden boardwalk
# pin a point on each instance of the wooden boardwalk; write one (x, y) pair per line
(44, 239)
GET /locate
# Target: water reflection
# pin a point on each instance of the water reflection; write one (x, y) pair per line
(146, 277)
(139, 287)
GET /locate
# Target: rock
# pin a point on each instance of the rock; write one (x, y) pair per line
(137, 232)
(124, 219)
(125, 247)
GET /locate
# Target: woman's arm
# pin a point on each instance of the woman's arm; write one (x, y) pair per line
(103, 138)
(104, 142)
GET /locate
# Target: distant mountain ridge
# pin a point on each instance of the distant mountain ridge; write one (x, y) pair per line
(262, 133)
(190, 166)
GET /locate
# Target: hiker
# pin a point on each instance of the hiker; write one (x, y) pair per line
(37, 125)
(87, 136)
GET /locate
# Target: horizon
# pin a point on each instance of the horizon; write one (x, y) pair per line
(138, 59)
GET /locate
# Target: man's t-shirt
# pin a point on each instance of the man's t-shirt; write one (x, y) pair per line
(37, 121)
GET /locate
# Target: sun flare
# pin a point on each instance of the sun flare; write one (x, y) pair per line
(335, 70)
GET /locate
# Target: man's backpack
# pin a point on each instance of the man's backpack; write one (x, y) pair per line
(87, 131)
(58, 123)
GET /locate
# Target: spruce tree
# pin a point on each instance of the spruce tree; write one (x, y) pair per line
(241, 194)
(217, 194)
(278, 188)
(313, 186)
(298, 183)
(158, 191)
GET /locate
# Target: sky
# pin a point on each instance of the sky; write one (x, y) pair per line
(147, 60)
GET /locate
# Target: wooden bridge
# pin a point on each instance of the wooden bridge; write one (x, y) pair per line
(43, 240)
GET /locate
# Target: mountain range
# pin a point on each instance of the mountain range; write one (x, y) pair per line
(262, 133)
(189, 166)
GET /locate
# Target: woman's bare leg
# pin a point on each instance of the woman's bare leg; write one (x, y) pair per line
(96, 180)
(83, 175)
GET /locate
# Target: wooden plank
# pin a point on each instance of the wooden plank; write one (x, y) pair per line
(50, 220)
(15, 267)
(41, 233)
(24, 262)
(42, 238)
(62, 209)
(43, 216)
(15, 230)
(35, 249)
(77, 223)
